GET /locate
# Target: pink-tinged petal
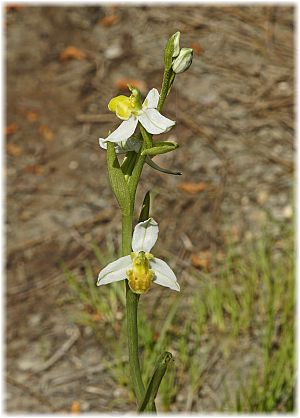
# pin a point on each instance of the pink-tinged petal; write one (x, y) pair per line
(145, 235)
(124, 131)
(114, 271)
(164, 275)
(154, 122)
(151, 100)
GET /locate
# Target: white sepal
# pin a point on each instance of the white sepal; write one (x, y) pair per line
(115, 271)
(151, 100)
(145, 235)
(164, 275)
(123, 132)
(154, 122)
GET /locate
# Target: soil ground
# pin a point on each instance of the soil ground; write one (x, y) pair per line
(234, 112)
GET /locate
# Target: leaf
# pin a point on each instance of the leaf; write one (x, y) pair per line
(155, 381)
(14, 150)
(161, 147)
(109, 20)
(117, 179)
(162, 170)
(122, 84)
(71, 52)
(193, 188)
(144, 215)
(11, 128)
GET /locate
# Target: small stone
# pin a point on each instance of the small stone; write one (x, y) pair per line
(114, 51)
(34, 320)
(73, 165)
(262, 197)
(283, 86)
(26, 364)
(287, 212)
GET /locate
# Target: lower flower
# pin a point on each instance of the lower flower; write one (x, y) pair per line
(140, 268)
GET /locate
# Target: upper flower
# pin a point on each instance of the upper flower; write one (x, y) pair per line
(131, 111)
(140, 268)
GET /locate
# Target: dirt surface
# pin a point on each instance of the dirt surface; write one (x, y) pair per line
(234, 113)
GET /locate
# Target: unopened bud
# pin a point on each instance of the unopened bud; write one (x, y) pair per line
(183, 61)
(172, 49)
(176, 48)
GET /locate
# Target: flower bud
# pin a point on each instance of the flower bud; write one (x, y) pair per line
(175, 40)
(183, 61)
(172, 49)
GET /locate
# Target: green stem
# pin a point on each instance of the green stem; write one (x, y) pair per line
(132, 300)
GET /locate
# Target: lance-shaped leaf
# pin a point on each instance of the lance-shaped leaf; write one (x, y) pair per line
(117, 180)
(171, 81)
(161, 147)
(162, 170)
(154, 383)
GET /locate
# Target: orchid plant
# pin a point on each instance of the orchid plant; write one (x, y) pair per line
(138, 266)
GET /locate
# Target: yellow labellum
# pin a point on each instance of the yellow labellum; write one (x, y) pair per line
(123, 106)
(140, 276)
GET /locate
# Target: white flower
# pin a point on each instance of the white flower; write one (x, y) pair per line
(132, 111)
(140, 268)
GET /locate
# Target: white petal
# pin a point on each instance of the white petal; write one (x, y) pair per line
(145, 235)
(163, 274)
(115, 271)
(151, 100)
(102, 143)
(154, 122)
(124, 131)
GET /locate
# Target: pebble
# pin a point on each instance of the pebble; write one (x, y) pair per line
(114, 51)
(262, 197)
(73, 165)
(287, 212)
(34, 319)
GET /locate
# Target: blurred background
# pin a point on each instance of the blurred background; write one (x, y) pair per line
(226, 224)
